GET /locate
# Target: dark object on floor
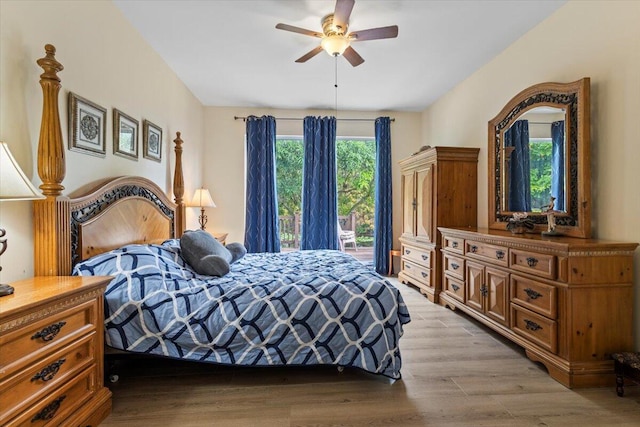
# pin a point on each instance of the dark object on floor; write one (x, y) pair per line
(627, 364)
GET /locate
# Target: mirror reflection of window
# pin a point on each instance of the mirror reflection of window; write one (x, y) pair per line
(535, 161)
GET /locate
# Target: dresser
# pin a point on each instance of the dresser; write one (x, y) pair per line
(567, 301)
(51, 353)
(439, 188)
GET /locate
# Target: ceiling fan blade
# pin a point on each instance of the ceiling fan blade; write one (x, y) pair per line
(307, 56)
(299, 30)
(353, 57)
(375, 33)
(341, 13)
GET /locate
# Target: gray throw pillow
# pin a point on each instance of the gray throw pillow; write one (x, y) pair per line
(204, 253)
(237, 251)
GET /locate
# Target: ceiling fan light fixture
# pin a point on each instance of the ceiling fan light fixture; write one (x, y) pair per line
(335, 45)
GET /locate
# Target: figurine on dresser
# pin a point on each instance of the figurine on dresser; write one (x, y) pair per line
(550, 212)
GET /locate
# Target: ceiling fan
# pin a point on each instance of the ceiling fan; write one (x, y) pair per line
(336, 40)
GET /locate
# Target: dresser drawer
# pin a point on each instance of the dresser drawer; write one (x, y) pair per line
(22, 345)
(41, 378)
(537, 329)
(57, 406)
(454, 287)
(453, 244)
(493, 253)
(417, 272)
(533, 263)
(538, 297)
(453, 265)
(417, 255)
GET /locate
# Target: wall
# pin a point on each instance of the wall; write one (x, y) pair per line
(107, 62)
(596, 39)
(224, 151)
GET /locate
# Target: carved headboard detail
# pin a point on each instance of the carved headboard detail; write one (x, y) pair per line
(112, 213)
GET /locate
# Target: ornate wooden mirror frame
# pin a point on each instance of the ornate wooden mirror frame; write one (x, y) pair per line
(573, 98)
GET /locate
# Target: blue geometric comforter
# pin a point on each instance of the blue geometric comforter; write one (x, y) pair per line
(295, 308)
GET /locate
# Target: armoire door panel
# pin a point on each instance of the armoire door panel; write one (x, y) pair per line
(424, 211)
(408, 204)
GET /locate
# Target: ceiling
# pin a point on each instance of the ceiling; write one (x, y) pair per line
(229, 53)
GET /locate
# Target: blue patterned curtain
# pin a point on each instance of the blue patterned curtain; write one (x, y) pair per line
(557, 164)
(261, 228)
(383, 219)
(517, 136)
(319, 228)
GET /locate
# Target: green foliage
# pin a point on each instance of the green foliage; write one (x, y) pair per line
(356, 185)
(540, 173)
(289, 160)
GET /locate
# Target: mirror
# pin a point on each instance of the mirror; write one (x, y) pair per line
(539, 148)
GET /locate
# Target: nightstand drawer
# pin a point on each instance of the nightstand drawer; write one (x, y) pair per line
(537, 329)
(535, 296)
(22, 345)
(56, 407)
(41, 378)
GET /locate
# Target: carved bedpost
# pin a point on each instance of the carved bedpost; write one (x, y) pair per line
(52, 243)
(178, 188)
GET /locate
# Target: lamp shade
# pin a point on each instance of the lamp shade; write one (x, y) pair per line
(335, 45)
(14, 185)
(202, 198)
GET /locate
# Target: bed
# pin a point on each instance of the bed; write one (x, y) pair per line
(299, 308)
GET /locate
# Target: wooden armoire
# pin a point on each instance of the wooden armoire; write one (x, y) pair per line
(439, 189)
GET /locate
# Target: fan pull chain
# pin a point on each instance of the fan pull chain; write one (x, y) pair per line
(335, 85)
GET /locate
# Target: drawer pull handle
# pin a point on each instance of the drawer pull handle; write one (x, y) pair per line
(484, 291)
(407, 251)
(49, 411)
(500, 254)
(49, 372)
(455, 287)
(50, 332)
(407, 266)
(474, 248)
(532, 262)
(531, 325)
(425, 257)
(454, 245)
(424, 274)
(455, 266)
(532, 294)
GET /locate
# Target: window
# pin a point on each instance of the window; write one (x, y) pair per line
(356, 185)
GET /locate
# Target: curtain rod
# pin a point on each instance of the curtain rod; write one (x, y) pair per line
(244, 119)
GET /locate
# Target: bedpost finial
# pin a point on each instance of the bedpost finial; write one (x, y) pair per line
(49, 64)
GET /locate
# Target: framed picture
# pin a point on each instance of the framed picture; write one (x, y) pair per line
(151, 141)
(87, 126)
(125, 135)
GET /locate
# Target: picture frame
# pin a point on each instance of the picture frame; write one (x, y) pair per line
(125, 135)
(151, 141)
(87, 126)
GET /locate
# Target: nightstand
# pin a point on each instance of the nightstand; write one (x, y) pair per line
(52, 352)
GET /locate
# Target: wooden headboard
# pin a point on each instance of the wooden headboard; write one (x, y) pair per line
(102, 215)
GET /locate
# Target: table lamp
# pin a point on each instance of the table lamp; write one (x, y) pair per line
(202, 199)
(14, 185)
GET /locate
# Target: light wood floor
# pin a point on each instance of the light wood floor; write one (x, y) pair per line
(455, 373)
